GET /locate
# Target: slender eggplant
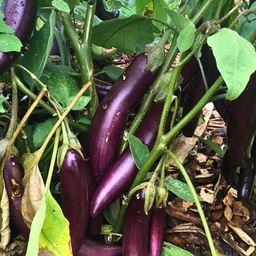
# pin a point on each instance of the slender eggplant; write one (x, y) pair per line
(135, 240)
(109, 120)
(21, 16)
(93, 248)
(74, 196)
(13, 174)
(121, 174)
(104, 14)
(241, 126)
(157, 231)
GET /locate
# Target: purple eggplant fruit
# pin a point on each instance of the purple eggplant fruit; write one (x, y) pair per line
(109, 120)
(93, 248)
(121, 174)
(135, 240)
(74, 196)
(157, 231)
(21, 16)
(13, 174)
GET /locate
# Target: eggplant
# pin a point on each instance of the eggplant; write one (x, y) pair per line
(197, 88)
(241, 126)
(109, 120)
(123, 171)
(135, 239)
(102, 88)
(74, 196)
(93, 248)
(13, 174)
(104, 14)
(21, 16)
(157, 231)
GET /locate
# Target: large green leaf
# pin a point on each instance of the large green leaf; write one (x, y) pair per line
(39, 48)
(236, 59)
(124, 34)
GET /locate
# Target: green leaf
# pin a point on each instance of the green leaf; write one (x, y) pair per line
(186, 29)
(180, 189)
(61, 82)
(54, 236)
(39, 48)
(236, 60)
(49, 233)
(4, 28)
(42, 130)
(10, 43)
(2, 100)
(213, 145)
(60, 5)
(139, 150)
(81, 103)
(113, 72)
(173, 250)
(117, 33)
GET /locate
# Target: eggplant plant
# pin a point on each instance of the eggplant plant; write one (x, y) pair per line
(91, 142)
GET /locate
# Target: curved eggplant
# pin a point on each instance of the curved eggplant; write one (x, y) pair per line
(109, 120)
(135, 240)
(157, 231)
(121, 174)
(21, 16)
(74, 196)
(93, 248)
(13, 174)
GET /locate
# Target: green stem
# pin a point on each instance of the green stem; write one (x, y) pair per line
(164, 141)
(83, 52)
(53, 160)
(201, 11)
(13, 121)
(197, 202)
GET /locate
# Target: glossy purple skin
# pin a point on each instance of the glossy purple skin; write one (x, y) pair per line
(135, 239)
(21, 16)
(109, 120)
(157, 231)
(74, 196)
(241, 126)
(122, 173)
(13, 174)
(93, 248)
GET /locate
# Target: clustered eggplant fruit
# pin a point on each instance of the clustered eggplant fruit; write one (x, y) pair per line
(123, 171)
(110, 118)
(93, 248)
(13, 174)
(74, 196)
(21, 16)
(241, 131)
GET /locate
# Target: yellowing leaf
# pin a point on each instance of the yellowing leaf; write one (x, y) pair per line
(49, 230)
(34, 186)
